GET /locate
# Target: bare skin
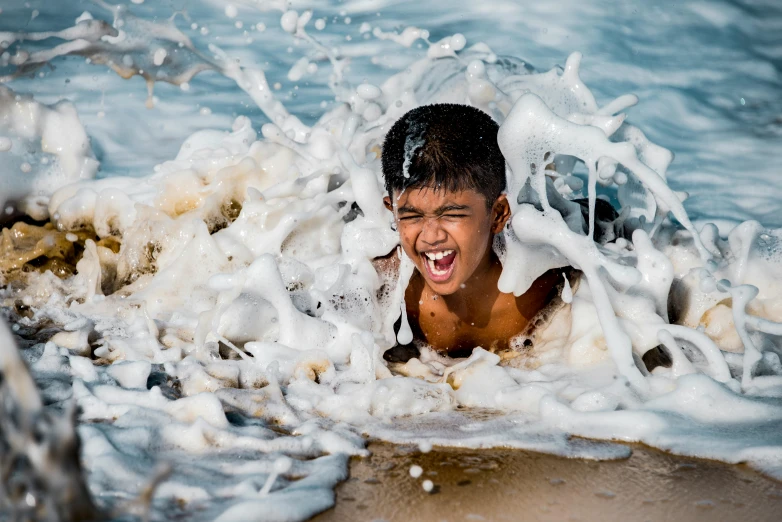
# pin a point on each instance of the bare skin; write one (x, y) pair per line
(453, 303)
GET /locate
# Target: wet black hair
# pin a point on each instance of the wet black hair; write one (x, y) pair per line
(444, 146)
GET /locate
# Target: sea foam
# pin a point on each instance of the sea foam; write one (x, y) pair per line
(225, 315)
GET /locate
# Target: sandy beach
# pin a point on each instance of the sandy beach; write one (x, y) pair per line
(509, 485)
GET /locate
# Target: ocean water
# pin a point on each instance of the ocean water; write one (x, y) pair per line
(707, 74)
(196, 353)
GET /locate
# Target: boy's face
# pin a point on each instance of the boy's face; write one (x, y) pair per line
(448, 235)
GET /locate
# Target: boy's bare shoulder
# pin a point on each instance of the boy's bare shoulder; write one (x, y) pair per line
(387, 265)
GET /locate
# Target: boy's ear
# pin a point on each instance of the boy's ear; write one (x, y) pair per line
(387, 203)
(500, 214)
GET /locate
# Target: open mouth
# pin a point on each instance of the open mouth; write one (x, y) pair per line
(439, 264)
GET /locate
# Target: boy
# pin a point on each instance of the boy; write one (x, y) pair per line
(445, 177)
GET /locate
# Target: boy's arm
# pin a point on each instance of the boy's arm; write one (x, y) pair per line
(387, 267)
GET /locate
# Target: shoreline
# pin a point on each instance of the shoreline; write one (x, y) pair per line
(507, 485)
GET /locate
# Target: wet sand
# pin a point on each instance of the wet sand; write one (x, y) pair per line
(512, 485)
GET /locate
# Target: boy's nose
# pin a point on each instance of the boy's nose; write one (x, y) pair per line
(432, 232)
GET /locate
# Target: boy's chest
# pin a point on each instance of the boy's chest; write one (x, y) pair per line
(489, 325)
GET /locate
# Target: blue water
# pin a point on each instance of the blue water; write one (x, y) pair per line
(708, 75)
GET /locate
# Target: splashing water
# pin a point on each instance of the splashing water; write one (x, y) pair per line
(225, 315)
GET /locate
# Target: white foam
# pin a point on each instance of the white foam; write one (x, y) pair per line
(242, 328)
(58, 140)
